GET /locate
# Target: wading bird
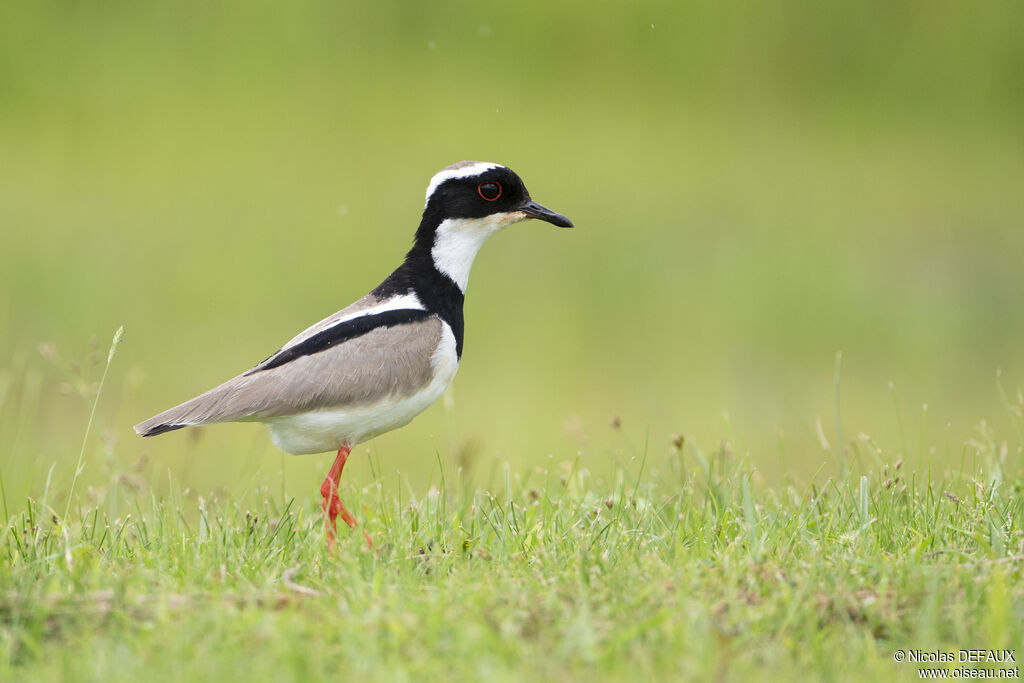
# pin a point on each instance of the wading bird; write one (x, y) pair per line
(375, 365)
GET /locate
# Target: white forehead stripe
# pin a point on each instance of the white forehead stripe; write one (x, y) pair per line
(457, 171)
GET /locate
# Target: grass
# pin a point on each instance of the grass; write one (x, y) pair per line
(753, 189)
(687, 568)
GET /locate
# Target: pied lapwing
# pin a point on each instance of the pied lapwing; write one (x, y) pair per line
(375, 365)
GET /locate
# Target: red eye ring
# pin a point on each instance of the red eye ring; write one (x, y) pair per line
(484, 194)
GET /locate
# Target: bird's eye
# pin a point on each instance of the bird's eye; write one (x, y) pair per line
(489, 191)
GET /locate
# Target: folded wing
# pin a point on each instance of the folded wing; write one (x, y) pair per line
(357, 361)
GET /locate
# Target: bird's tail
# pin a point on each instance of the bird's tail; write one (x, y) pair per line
(152, 428)
(167, 421)
(209, 408)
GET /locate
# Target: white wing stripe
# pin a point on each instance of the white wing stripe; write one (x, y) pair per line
(404, 301)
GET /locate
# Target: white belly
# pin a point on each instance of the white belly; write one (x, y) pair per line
(329, 428)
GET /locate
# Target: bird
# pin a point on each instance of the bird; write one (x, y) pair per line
(376, 364)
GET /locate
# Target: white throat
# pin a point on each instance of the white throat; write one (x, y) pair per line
(458, 240)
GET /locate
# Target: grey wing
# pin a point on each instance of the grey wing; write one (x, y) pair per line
(383, 362)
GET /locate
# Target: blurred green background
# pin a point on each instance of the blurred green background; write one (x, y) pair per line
(756, 187)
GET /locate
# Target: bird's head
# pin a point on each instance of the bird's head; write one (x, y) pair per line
(468, 202)
(482, 190)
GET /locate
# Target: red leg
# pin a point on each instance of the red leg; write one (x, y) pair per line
(332, 503)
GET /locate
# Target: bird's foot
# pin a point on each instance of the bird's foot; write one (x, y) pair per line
(333, 508)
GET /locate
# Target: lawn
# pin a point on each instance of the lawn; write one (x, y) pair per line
(759, 415)
(682, 565)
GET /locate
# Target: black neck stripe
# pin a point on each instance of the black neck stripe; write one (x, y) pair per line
(342, 332)
(435, 290)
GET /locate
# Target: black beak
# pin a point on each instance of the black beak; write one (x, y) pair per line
(535, 210)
